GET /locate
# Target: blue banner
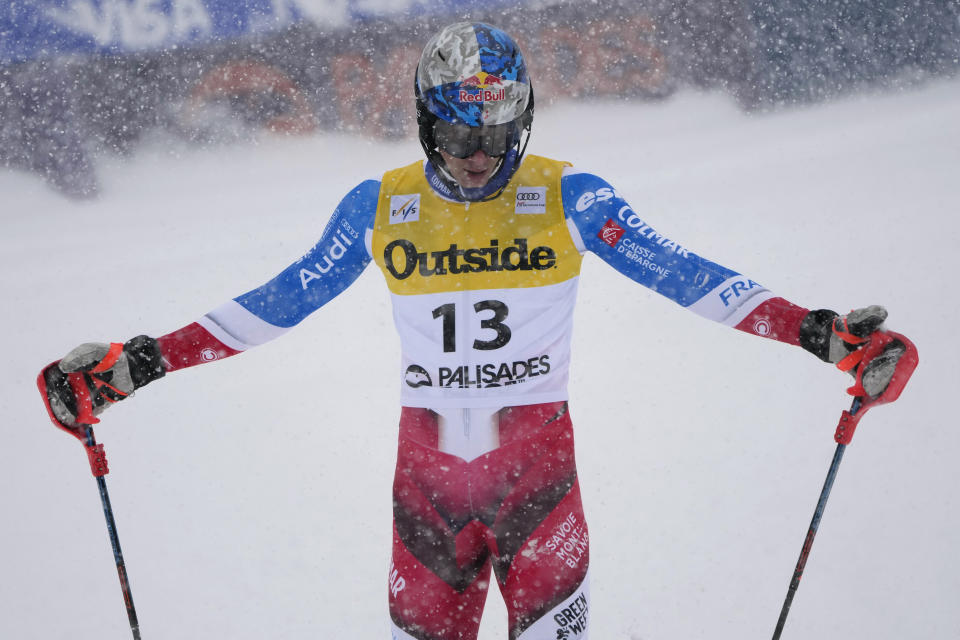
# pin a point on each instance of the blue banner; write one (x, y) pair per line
(32, 29)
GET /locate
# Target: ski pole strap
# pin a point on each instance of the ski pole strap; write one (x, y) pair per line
(113, 354)
(842, 330)
(850, 361)
(84, 402)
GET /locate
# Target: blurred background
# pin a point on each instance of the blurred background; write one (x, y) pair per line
(158, 157)
(80, 78)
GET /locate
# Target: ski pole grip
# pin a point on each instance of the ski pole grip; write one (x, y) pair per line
(862, 402)
(846, 427)
(98, 459)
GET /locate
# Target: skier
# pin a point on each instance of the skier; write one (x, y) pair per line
(481, 250)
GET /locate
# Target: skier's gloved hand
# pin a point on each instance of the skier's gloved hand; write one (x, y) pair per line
(842, 340)
(110, 373)
(832, 337)
(879, 370)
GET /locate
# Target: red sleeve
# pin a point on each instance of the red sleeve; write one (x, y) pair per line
(775, 318)
(190, 346)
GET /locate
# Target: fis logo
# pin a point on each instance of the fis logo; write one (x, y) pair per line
(404, 208)
(611, 232)
(531, 200)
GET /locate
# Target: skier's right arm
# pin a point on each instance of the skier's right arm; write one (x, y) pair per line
(272, 309)
(111, 372)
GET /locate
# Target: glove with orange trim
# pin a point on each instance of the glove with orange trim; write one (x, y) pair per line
(842, 340)
(110, 373)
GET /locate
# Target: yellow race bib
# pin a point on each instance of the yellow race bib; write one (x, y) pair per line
(483, 292)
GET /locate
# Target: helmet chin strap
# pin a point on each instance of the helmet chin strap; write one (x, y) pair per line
(464, 192)
(443, 181)
(444, 171)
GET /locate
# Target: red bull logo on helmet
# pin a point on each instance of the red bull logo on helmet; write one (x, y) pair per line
(482, 87)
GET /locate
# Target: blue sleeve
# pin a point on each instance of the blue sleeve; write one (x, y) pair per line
(332, 265)
(612, 230)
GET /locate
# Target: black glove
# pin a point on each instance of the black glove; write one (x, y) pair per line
(110, 373)
(842, 340)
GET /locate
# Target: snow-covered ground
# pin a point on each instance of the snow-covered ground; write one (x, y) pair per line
(253, 495)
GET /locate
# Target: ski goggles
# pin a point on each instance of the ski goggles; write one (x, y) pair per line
(462, 141)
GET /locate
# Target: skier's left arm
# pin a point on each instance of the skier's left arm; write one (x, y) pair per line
(602, 222)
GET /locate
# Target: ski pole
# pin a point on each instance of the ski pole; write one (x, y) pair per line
(905, 366)
(814, 525)
(83, 431)
(98, 465)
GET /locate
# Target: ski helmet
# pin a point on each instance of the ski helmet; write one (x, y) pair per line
(473, 92)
